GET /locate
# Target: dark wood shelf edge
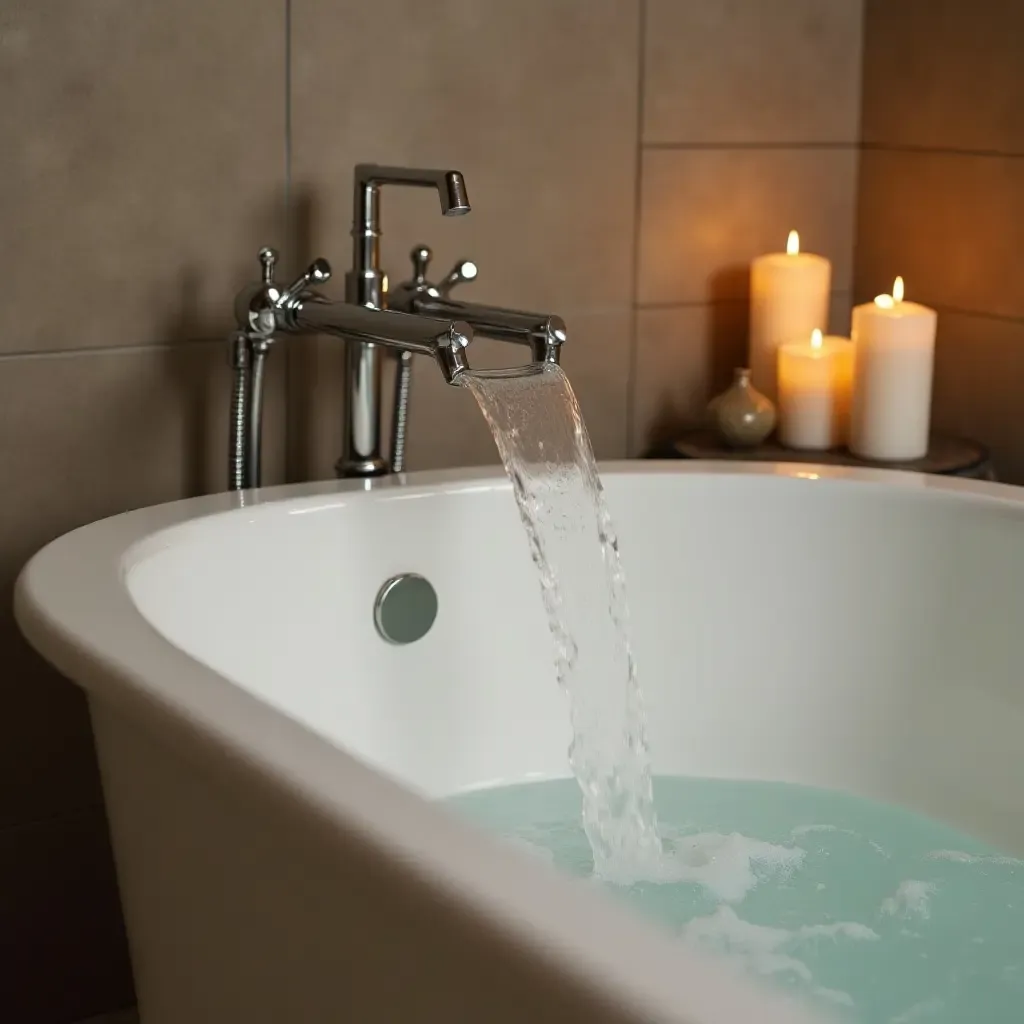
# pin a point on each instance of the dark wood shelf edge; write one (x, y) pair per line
(947, 455)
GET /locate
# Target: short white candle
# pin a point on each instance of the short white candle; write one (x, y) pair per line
(894, 356)
(815, 378)
(789, 293)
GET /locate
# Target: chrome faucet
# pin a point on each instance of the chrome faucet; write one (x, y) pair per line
(418, 318)
(543, 332)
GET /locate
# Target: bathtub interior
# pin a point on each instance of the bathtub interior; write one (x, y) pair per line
(854, 635)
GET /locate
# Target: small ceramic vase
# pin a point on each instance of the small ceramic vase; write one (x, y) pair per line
(741, 415)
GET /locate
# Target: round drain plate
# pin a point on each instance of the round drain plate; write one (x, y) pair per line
(405, 608)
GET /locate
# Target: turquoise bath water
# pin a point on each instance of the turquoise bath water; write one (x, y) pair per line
(877, 915)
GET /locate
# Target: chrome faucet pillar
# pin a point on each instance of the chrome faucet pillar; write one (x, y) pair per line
(366, 284)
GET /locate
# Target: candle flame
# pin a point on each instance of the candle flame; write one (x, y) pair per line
(816, 338)
(884, 301)
(897, 289)
(793, 243)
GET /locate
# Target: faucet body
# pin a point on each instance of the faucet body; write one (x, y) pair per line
(366, 285)
(418, 319)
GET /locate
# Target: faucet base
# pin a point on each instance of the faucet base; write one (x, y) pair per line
(360, 468)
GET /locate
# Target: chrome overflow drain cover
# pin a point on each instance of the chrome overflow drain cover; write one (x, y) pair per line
(405, 608)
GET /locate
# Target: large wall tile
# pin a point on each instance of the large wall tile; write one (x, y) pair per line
(63, 942)
(952, 225)
(143, 157)
(944, 73)
(707, 213)
(979, 367)
(752, 71)
(536, 102)
(109, 432)
(445, 427)
(685, 356)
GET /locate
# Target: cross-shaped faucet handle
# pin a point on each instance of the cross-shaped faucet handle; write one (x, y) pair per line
(463, 271)
(268, 260)
(317, 272)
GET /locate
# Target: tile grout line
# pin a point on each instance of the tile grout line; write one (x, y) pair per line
(635, 307)
(287, 104)
(219, 339)
(858, 165)
(857, 144)
(109, 350)
(289, 218)
(642, 307)
(896, 147)
(638, 168)
(715, 146)
(850, 293)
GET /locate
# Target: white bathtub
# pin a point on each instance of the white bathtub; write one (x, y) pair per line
(265, 754)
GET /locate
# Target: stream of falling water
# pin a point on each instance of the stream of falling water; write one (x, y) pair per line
(544, 445)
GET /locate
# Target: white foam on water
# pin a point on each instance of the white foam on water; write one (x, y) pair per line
(803, 830)
(725, 928)
(728, 866)
(919, 1012)
(840, 929)
(910, 900)
(766, 950)
(726, 931)
(959, 857)
(833, 995)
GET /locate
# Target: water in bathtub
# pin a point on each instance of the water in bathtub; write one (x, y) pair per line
(878, 915)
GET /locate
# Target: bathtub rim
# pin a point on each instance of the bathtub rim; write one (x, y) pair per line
(95, 635)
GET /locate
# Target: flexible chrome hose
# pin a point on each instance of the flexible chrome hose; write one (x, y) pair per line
(400, 414)
(239, 412)
(257, 359)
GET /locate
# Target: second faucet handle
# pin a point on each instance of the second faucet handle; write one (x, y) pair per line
(463, 271)
(421, 257)
(317, 272)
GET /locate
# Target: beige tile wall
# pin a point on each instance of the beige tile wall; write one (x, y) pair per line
(142, 164)
(625, 159)
(942, 199)
(536, 103)
(750, 128)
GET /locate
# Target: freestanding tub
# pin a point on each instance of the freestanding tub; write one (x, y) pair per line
(265, 755)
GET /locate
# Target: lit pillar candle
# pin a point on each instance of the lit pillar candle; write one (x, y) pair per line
(894, 355)
(789, 294)
(815, 378)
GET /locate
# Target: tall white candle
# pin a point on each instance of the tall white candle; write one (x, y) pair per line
(894, 355)
(789, 294)
(814, 392)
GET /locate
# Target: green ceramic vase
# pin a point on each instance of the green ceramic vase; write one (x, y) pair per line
(741, 416)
